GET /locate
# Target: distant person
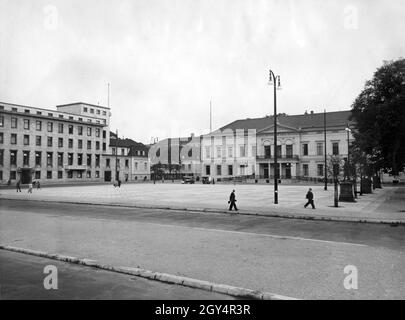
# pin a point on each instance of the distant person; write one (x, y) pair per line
(18, 186)
(38, 185)
(30, 187)
(119, 183)
(232, 200)
(163, 180)
(310, 197)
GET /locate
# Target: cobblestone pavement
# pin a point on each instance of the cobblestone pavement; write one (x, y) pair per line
(382, 205)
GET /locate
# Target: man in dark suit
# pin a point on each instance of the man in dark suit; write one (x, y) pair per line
(232, 200)
(310, 197)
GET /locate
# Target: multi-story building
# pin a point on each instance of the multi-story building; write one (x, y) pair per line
(246, 147)
(126, 160)
(59, 145)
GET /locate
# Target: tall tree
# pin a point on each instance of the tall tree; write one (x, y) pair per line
(379, 112)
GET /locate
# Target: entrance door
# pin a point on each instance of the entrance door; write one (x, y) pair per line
(26, 176)
(288, 172)
(107, 175)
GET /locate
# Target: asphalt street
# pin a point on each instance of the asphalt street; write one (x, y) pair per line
(297, 258)
(22, 277)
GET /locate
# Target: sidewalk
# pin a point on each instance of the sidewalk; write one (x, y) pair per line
(382, 206)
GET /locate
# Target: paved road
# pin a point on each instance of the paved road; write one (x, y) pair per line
(22, 277)
(297, 258)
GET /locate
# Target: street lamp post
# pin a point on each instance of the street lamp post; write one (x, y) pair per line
(275, 80)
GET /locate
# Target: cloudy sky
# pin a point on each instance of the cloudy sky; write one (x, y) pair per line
(166, 59)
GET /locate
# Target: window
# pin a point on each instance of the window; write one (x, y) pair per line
(305, 149)
(267, 151)
(335, 148)
(230, 170)
(60, 159)
(70, 174)
(38, 156)
(107, 163)
(79, 159)
(88, 174)
(126, 163)
(97, 174)
(1, 137)
(38, 141)
(26, 111)
(1, 158)
(13, 122)
(319, 149)
(60, 127)
(98, 111)
(49, 174)
(305, 169)
(13, 175)
(104, 113)
(39, 125)
(49, 159)
(208, 170)
(91, 110)
(123, 152)
(26, 140)
(1, 121)
(70, 143)
(13, 157)
(136, 165)
(37, 174)
(88, 144)
(146, 165)
(278, 150)
(13, 139)
(242, 151)
(289, 150)
(97, 145)
(104, 146)
(84, 109)
(89, 131)
(60, 174)
(219, 149)
(320, 171)
(80, 130)
(60, 142)
(26, 124)
(80, 144)
(70, 159)
(50, 126)
(39, 113)
(98, 132)
(51, 114)
(79, 175)
(70, 129)
(89, 159)
(207, 152)
(218, 170)
(97, 160)
(49, 141)
(60, 116)
(26, 158)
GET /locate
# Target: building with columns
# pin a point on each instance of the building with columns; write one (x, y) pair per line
(245, 148)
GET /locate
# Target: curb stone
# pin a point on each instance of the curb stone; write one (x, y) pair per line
(245, 213)
(156, 276)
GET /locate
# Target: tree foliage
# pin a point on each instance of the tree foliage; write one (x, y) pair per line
(379, 113)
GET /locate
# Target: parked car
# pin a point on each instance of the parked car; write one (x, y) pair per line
(188, 180)
(206, 180)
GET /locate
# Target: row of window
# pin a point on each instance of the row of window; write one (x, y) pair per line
(320, 171)
(38, 141)
(49, 158)
(92, 111)
(220, 152)
(49, 174)
(138, 152)
(50, 127)
(50, 114)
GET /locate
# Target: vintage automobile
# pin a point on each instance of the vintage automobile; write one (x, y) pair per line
(188, 180)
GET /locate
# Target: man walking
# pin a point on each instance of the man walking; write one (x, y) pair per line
(232, 200)
(18, 185)
(310, 197)
(30, 187)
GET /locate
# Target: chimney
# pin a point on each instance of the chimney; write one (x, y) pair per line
(312, 112)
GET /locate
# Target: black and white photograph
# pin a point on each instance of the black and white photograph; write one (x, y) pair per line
(229, 151)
